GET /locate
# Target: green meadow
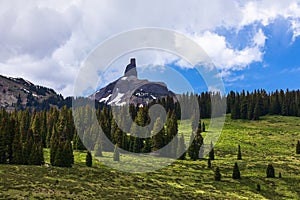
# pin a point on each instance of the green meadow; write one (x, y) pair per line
(272, 139)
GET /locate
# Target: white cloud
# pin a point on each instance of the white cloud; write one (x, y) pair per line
(51, 74)
(259, 39)
(226, 57)
(295, 28)
(45, 41)
(266, 11)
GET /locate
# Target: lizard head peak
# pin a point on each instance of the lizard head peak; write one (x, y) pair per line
(131, 68)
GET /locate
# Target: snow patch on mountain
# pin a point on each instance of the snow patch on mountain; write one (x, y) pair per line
(117, 99)
(105, 99)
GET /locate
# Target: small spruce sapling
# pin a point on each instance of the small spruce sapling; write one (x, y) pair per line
(218, 175)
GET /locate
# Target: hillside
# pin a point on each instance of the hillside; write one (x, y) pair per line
(20, 94)
(269, 140)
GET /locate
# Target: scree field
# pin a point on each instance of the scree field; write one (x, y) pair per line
(270, 140)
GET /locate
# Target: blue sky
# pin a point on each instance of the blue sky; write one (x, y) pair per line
(280, 64)
(253, 43)
(279, 67)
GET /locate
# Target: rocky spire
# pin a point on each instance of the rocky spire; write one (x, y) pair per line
(131, 68)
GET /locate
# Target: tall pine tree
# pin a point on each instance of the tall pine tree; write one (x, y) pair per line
(236, 172)
(89, 159)
(212, 152)
(181, 148)
(116, 156)
(196, 144)
(298, 147)
(239, 155)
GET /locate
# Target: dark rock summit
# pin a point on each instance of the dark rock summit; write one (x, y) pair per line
(130, 90)
(131, 68)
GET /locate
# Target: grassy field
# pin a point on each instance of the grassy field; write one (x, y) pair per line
(270, 140)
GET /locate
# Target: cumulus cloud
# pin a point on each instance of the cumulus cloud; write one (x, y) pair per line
(226, 57)
(46, 41)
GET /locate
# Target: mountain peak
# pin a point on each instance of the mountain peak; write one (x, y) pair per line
(131, 90)
(131, 69)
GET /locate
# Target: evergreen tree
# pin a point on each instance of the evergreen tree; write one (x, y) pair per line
(61, 151)
(209, 163)
(51, 121)
(146, 146)
(98, 149)
(27, 148)
(17, 147)
(88, 159)
(24, 122)
(64, 154)
(19, 105)
(171, 131)
(218, 175)
(53, 146)
(34, 157)
(41, 154)
(137, 145)
(59, 159)
(244, 109)
(195, 123)
(236, 172)
(17, 152)
(142, 119)
(173, 147)
(196, 143)
(11, 129)
(69, 153)
(235, 110)
(270, 171)
(298, 147)
(137, 142)
(159, 134)
(212, 152)
(181, 148)
(77, 143)
(125, 142)
(258, 187)
(239, 155)
(3, 147)
(284, 109)
(106, 123)
(117, 137)
(116, 154)
(256, 112)
(250, 111)
(275, 105)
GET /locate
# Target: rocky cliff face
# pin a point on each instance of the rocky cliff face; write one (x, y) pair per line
(130, 90)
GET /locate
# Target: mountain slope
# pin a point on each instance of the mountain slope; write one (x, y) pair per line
(17, 93)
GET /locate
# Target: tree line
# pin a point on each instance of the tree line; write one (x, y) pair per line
(24, 133)
(133, 131)
(251, 106)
